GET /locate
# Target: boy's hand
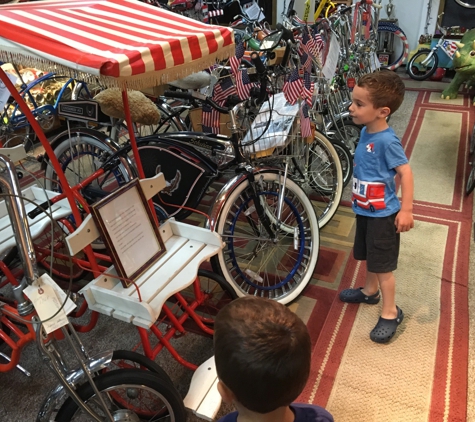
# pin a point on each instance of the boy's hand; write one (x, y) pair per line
(404, 221)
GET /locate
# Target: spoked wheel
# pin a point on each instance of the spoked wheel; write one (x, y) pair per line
(422, 65)
(469, 4)
(79, 157)
(53, 254)
(254, 262)
(130, 395)
(346, 160)
(322, 177)
(127, 359)
(348, 132)
(218, 293)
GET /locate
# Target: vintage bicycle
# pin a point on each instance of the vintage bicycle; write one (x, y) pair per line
(42, 320)
(423, 64)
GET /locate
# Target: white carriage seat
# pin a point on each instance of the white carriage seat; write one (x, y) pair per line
(36, 194)
(187, 247)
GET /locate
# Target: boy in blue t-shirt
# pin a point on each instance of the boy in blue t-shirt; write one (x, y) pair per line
(380, 216)
(262, 352)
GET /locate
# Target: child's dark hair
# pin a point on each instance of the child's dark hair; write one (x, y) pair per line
(386, 89)
(262, 353)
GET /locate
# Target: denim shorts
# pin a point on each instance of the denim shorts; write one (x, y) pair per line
(377, 243)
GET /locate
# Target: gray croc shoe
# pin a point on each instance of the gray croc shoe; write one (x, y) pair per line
(357, 296)
(386, 328)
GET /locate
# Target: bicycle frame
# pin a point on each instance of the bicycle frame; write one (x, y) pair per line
(321, 7)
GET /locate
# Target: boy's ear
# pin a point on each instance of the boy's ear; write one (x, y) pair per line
(226, 393)
(384, 112)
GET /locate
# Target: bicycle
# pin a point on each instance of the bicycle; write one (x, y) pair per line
(470, 185)
(83, 383)
(175, 155)
(469, 4)
(424, 63)
(42, 96)
(326, 5)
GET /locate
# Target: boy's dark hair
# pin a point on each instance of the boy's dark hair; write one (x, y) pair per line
(386, 89)
(262, 353)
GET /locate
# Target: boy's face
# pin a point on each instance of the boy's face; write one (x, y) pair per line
(362, 110)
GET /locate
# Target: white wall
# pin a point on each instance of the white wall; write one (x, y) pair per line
(411, 15)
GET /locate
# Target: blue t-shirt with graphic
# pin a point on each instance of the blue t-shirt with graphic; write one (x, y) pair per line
(374, 188)
(303, 413)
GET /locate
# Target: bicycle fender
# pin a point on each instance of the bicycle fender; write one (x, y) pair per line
(216, 208)
(95, 134)
(57, 394)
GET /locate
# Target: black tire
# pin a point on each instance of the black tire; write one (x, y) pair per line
(348, 132)
(419, 72)
(127, 359)
(346, 160)
(470, 181)
(218, 294)
(277, 268)
(125, 389)
(469, 4)
(472, 141)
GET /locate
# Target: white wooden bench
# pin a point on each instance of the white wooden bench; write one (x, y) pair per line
(187, 247)
(38, 195)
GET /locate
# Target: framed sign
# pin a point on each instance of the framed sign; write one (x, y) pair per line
(126, 224)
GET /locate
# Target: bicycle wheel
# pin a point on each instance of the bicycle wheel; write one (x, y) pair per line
(253, 262)
(472, 141)
(130, 394)
(399, 33)
(346, 160)
(170, 121)
(60, 264)
(81, 156)
(470, 181)
(346, 131)
(321, 177)
(422, 65)
(218, 293)
(127, 359)
(469, 4)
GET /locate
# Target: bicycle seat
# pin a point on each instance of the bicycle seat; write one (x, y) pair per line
(196, 80)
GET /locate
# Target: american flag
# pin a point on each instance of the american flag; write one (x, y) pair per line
(305, 61)
(305, 126)
(314, 43)
(235, 61)
(292, 87)
(450, 48)
(210, 119)
(307, 91)
(243, 84)
(223, 89)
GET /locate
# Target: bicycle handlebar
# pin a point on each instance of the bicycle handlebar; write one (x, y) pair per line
(287, 34)
(346, 10)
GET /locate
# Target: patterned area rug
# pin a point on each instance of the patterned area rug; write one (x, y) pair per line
(422, 374)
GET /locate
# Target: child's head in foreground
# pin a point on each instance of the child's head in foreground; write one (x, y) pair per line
(385, 89)
(262, 354)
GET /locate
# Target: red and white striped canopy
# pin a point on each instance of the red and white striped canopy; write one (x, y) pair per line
(123, 42)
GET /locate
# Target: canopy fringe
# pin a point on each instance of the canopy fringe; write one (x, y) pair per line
(137, 82)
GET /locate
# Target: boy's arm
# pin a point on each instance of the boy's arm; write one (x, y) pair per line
(405, 220)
